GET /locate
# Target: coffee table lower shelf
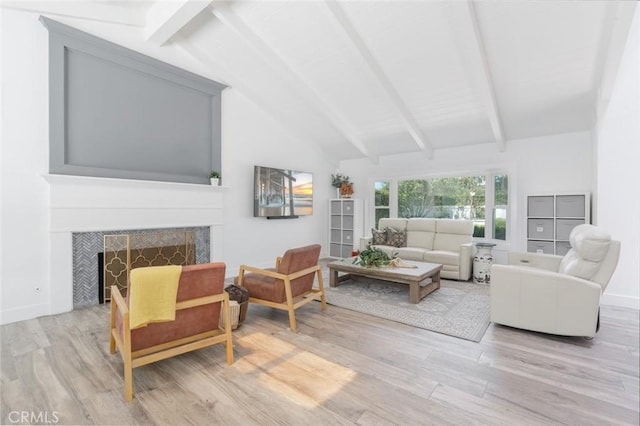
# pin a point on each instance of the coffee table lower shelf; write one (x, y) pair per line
(414, 277)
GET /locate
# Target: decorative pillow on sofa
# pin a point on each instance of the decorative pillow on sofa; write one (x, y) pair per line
(379, 237)
(396, 238)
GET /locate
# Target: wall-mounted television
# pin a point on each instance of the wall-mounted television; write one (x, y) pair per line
(282, 193)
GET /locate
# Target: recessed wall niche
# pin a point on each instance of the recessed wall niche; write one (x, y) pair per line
(117, 113)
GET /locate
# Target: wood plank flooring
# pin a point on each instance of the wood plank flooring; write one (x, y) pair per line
(339, 368)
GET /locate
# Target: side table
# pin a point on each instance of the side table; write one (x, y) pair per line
(482, 263)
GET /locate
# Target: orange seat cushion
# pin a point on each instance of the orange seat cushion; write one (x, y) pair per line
(272, 289)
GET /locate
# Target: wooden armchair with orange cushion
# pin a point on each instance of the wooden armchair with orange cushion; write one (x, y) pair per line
(199, 300)
(289, 285)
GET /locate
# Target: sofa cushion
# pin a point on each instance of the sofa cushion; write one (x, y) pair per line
(450, 242)
(421, 224)
(379, 236)
(443, 257)
(421, 232)
(396, 238)
(455, 226)
(409, 253)
(392, 222)
(450, 271)
(452, 233)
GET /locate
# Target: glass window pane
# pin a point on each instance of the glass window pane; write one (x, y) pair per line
(454, 198)
(380, 213)
(460, 197)
(501, 185)
(382, 194)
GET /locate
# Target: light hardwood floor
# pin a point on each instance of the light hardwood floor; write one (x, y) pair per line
(341, 367)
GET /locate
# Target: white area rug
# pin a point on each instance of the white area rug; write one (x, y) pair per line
(459, 309)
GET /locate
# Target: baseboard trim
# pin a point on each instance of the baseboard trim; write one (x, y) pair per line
(621, 301)
(24, 313)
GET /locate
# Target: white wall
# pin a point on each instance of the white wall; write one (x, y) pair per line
(24, 260)
(544, 165)
(618, 172)
(250, 137)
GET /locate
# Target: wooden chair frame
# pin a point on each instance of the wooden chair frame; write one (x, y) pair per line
(171, 348)
(291, 303)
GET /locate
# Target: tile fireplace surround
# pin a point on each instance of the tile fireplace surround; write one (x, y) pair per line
(87, 245)
(86, 204)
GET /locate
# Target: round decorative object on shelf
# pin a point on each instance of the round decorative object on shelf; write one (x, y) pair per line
(482, 263)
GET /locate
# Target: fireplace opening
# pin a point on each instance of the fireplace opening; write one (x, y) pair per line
(157, 248)
(125, 252)
(101, 278)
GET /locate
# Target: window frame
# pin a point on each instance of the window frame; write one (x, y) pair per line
(490, 202)
(376, 207)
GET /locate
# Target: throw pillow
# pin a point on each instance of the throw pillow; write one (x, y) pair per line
(396, 238)
(379, 237)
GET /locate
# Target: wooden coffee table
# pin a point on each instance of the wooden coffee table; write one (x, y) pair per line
(416, 277)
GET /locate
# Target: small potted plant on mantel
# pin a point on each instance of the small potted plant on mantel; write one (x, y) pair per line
(215, 178)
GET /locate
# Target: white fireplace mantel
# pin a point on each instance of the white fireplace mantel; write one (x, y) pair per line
(88, 204)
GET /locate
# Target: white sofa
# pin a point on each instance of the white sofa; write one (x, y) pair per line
(555, 294)
(443, 241)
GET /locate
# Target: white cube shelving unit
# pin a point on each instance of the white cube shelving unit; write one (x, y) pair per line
(550, 219)
(345, 226)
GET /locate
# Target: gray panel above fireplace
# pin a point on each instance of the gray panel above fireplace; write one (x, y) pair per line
(117, 113)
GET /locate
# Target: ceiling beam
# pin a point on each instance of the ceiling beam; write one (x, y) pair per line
(265, 103)
(93, 11)
(298, 84)
(610, 51)
(486, 88)
(466, 32)
(166, 18)
(378, 73)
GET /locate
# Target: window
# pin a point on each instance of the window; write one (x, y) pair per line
(381, 200)
(500, 207)
(482, 198)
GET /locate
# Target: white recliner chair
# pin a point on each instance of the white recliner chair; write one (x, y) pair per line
(555, 294)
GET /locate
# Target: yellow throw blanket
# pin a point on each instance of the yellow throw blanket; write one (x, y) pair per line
(153, 294)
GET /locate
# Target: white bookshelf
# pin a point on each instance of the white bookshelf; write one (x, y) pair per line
(550, 219)
(345, 226)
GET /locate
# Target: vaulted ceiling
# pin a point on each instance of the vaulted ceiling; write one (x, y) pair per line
(376, 78)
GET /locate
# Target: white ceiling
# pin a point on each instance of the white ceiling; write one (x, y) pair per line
(376, 78)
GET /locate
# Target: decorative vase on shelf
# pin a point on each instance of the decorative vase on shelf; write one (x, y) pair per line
(346, 190)
(215, 181)
(343, 187)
